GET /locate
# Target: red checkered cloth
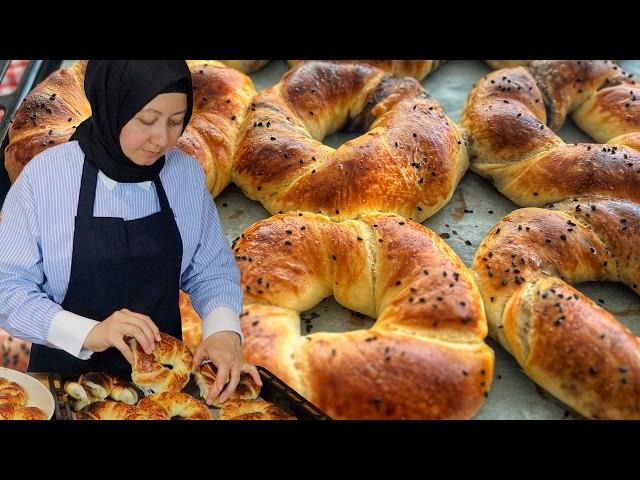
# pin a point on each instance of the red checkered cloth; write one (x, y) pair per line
(12, 78)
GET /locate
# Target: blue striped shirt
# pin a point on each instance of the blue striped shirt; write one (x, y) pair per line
(37, 227)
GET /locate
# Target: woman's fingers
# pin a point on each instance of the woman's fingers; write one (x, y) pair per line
(198, 356)
(231, 386)
(132, 330)
(121, 345)
(253, 371)
(149, 343)
(222, 377)
(147, 321)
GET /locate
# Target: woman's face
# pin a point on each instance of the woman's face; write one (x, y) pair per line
(154, 129)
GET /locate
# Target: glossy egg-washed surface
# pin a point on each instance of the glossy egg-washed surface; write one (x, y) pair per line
(424, 357)
(474, 209)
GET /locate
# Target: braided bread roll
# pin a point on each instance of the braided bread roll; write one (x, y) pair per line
(417, 69)
(221, 98)
(506, 117)
(409, 162)
(107, 410)
(47, 117)
(139, 414)
(52, 110)
(175, 404)
(149, 372)
(425, 356)
(160, 406)
(565, 342)
(205, 376)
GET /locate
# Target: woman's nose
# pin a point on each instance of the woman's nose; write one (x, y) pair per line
(160, 136)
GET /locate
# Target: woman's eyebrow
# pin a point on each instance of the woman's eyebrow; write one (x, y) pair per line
(160, 113)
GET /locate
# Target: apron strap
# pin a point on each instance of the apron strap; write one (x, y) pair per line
(87, 190)
(164, 203)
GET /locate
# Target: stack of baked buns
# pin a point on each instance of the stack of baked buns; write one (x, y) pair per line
(13, 403)
(155, 391)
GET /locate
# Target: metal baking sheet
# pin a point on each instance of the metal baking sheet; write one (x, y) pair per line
(513, 395)
(273, 390)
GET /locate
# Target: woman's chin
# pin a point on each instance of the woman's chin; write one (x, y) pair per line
(145, 159)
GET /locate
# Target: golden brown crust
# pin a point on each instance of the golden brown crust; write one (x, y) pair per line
(47, 117)
(510, 116)
(422, 286)
(253, 410)
(564, 341)
(174, 404)
(408, 162)
(159, 406)
(12, 411)
(383, 265)
(107, 410)
(386, 375)
(565, 84)
(272, 336)
(205, 375)
(611, 112)
(577, 350)
(570, 171)
(149, 372)
(417, 69)
(220, 99)
(11, 392)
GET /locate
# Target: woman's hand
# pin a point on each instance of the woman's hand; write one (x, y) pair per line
(223, 349)
(123, 323)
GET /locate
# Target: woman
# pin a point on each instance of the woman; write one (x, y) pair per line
(98, 235)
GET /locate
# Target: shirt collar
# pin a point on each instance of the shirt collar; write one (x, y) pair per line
(110, 183)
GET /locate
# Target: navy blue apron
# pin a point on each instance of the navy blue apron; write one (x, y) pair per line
(118, 264)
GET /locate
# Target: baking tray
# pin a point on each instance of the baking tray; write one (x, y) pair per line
(273, 390)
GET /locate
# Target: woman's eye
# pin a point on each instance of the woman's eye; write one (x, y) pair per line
(178, 123)
(144, 122)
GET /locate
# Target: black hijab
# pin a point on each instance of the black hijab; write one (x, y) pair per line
(117, 90)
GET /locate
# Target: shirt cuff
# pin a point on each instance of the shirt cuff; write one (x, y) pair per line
(68, 332)
(219, 320)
